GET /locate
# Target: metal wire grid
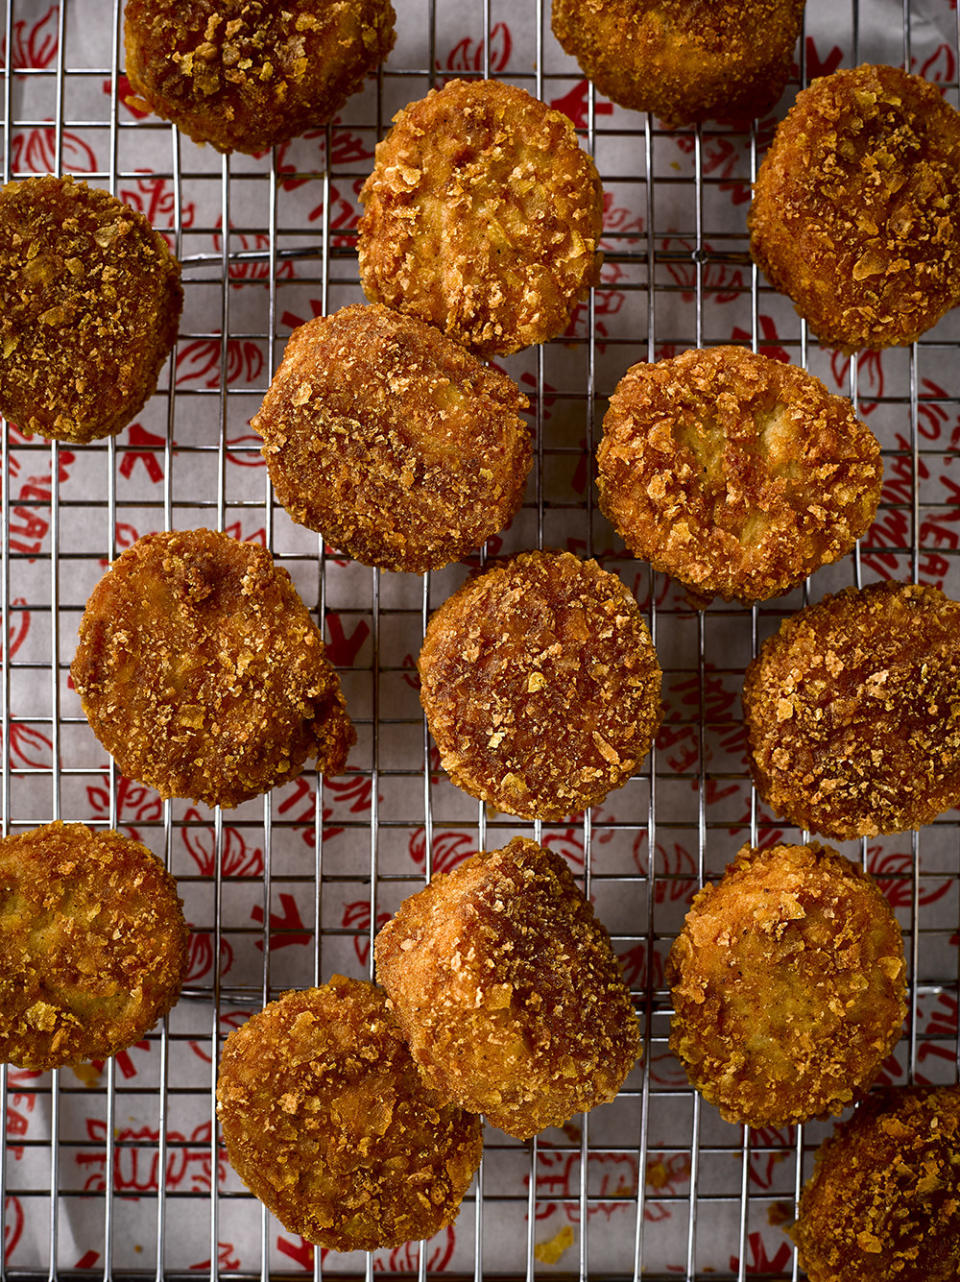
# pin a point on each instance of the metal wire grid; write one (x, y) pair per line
(639, 251)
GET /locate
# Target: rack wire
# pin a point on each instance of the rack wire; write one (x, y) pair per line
(109, 1173)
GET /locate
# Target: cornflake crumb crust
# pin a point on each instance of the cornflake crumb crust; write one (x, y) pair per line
(852, 712)
(90, 301)
(883, 1203)
(684, 60)
(326, 1119)
(736, 474)
(788, 983)
(401, 448)
(508, 990)
(856, 207)
(540, 685)
(94, 945)
(202, 673)
(483, 217)
(245, 75)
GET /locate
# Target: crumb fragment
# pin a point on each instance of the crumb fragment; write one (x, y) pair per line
(552, 1249)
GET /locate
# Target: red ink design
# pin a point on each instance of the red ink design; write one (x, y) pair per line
(288, 924)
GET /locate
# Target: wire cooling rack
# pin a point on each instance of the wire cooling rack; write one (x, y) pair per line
(109, 1171)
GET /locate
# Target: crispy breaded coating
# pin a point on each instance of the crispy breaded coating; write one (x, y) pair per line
(853, 712)
(483, 217)
(247, 74)
(540, 685)
(856, 208)
(508, 990)
(93, 944)
(883, 1203)
(684, 60)
(202, 673)
(788, 986)
(736, 474)
(328, 1122)
(90, 301)
(401, 448)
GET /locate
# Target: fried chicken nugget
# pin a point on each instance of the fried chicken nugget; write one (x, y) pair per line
(508, 990)
(540, 685)
(202, 673)
(482, 217)
(788, 986)
(401, 448)
(883, 1203)
(328, 1122)
(853, 712)
(93, 943)
(856, 207)
(736, 474)
(247, 74)
(684, 60)
(90, 301)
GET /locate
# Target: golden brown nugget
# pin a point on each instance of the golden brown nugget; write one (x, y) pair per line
(328, 1122)
(788, 986)
(508, 990)
(853, 712)
(90, 301)
(247, 74)
(736, 474)
(202, 673)
(93, 944)
(684, 60)
(883, 1203)
(483, 217)
(540, 685)
(856, 208)
(401, 448)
